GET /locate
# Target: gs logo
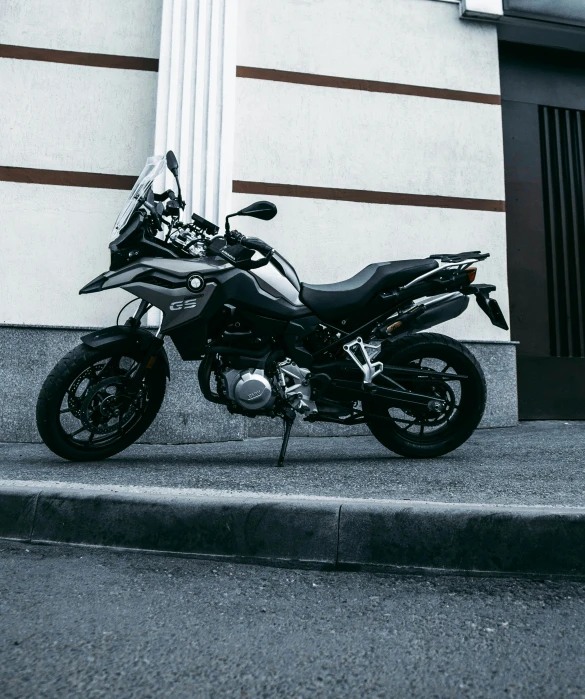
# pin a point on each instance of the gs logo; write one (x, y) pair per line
(183, 305)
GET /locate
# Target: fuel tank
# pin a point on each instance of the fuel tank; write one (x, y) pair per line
(191, 290)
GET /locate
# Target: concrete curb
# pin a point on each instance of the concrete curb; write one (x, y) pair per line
(330, 533)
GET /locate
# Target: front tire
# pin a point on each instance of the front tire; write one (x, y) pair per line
(416, 433)
(86, 411)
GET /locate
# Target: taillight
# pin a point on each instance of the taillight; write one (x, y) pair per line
(471, 272)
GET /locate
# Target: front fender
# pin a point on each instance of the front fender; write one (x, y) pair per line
(124, 337)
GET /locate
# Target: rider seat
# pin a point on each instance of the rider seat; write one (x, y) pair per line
(341, 299)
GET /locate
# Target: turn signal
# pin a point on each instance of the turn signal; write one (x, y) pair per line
(471, 272)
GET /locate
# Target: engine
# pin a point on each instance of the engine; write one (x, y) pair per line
(250, 389)
(255, 391)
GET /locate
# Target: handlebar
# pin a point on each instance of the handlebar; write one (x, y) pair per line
(236, 242)
(235, 237)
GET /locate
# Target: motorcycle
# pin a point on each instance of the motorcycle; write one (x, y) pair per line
(351, 352)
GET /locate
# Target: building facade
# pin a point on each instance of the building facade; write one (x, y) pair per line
(381, 129)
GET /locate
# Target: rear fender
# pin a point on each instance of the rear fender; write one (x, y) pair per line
(489, 306)
(124, 337)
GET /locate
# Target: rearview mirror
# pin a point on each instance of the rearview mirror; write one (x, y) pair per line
(172, 163)
(264, 210)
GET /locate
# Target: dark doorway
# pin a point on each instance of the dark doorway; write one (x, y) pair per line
(543, 110)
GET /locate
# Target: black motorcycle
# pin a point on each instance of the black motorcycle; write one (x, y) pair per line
(350, 352)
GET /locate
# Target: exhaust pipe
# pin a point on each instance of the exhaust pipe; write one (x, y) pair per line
(432, 312)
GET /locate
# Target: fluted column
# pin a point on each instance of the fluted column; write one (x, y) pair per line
(195, 100)
(195, 103)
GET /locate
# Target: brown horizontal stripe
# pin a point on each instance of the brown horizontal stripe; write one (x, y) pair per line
(78, 58)
(66, 178)
(286, 76)
(367, 197)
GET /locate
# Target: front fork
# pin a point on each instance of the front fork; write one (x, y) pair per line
(151, 351)
(134, 320)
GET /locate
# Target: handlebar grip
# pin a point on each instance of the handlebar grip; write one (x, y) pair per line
(257, 244)
(235, 237)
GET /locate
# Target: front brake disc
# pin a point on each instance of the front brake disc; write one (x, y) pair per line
(74, 402)
(100, 407)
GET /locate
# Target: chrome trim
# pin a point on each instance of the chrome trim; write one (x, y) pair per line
(434, 300)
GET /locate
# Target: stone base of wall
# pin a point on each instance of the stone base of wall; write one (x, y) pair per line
(27, 355)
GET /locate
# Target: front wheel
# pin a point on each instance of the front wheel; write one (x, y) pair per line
(87, 408)
(417, 432)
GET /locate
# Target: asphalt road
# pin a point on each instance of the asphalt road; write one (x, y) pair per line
(534, 463)
(87, 623)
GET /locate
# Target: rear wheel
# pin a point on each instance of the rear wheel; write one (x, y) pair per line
(87, 409)
(419, 432)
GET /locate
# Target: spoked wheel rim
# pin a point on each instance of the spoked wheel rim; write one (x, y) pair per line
(99, 407)
(420, 425)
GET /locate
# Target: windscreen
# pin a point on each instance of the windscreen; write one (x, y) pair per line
(154, 166)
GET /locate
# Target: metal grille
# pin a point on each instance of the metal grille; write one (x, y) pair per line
(563, 168)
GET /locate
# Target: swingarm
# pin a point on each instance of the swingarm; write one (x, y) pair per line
(396, 397)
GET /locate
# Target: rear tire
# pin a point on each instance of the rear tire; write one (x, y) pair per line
(402, 431)
(80, 388)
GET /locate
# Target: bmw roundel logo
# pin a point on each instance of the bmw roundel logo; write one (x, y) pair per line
(195, 282)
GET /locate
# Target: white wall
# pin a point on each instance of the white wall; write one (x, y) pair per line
(102, 120)
(327, 241)
(415, 42)
(69, 117)
(119, 27)
(54, 241)
(329, 137)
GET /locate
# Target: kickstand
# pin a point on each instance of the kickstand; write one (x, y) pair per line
(288, 423)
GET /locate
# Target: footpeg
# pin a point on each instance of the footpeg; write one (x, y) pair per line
(369, 369)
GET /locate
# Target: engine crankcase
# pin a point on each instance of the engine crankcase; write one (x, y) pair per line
(250, 389)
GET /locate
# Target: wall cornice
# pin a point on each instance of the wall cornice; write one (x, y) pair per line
(481, 9)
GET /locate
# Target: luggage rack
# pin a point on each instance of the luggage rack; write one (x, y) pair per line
(464, 259)
(461, 256)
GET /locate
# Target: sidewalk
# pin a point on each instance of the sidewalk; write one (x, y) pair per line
(510, 500)
(536, 463)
